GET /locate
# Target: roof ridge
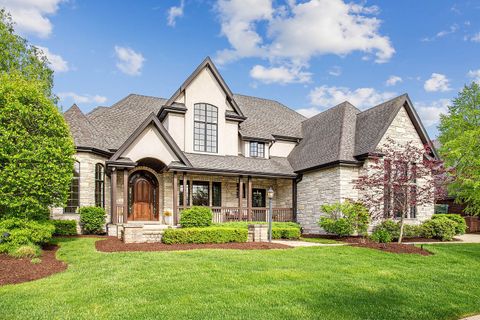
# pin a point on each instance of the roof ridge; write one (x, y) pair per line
(342, 104)
(385, 102)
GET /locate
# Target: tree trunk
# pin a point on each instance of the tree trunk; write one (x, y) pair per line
(400, 237)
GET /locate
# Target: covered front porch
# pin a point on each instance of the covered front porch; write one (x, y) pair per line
(149, 193)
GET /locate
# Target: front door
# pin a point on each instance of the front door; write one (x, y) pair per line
(143, 200)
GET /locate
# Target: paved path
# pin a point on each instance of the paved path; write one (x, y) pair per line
(295, 243)
(464, 238)
(477, 317)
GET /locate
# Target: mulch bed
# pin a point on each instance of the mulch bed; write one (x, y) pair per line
(112, 244)
(387, 247)
(14, 270)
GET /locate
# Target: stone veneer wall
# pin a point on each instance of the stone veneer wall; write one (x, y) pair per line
(87, 186)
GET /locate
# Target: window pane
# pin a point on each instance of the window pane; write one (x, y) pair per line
(200, 193)
(217, 194)
(180, 193)
(73, 200)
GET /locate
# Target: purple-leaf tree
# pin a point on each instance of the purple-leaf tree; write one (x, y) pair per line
(398, 180)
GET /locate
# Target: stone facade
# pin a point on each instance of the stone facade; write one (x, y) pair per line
(257, 233)
(87, 162)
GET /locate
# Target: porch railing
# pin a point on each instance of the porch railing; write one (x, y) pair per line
(229, 214)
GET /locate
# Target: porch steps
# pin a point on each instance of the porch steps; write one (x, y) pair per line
(138, 232)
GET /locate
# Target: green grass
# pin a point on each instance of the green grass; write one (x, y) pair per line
(304, 283)
(320, 240)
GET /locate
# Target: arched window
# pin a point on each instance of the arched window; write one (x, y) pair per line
(99, 185)
(205, 131)
(73, 201)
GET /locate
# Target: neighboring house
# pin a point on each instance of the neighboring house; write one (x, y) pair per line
(145, 158)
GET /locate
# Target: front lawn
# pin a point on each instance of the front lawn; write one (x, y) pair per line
(315, 282)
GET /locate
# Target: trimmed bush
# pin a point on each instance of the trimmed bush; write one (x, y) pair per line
(381, 236)
(285, 233)
(461, 225)
(196, 217)
(65, 227)
(204, 235)
(16, 232)
(92, 219)
(25, 251)
(345, 219)
(244, 224)
(412, 231)
(441, 228)
(389, 226)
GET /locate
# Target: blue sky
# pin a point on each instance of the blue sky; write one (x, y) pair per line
(309, 55)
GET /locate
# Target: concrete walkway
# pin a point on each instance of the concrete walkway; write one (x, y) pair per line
(477, 317)
(464, 238)
(295, 243)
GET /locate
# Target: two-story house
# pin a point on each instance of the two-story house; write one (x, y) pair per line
(144, 159)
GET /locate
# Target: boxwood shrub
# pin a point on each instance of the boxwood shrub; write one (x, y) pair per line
(204, 235)
(280, 230)
(92, 219)
(285, 233)
(196, 217)
(441, 228)
(65, 227)
(381, 236)
(16, 233)
(460, 224)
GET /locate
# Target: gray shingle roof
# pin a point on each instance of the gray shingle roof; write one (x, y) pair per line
(267, 117)
(272, 166)
(84, 133)
(119, 121)
(374, 122)
(327, 137)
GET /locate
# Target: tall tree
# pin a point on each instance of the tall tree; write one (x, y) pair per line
(16, 54)
(399, 180)
(460, 146)
(36, 149)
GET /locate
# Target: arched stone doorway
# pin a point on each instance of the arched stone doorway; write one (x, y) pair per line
(143, 193)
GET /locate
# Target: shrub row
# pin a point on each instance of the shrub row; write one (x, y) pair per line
(280, 230)
(64, 227)
(285, 233)
(442, 227)
(204, 235)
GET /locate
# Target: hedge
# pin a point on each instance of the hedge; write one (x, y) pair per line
(204, 235)
(285, 233)
(196, 217)
(460, 224)
(441, 228)
(65, 227)
(280, 230)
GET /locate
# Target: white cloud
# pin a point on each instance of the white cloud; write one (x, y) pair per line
(475, 74)
(430, 112)
(437, 82)
(296, 32)
(309, 112)
(362, 98)
(81, 98)
(453, 28)
(475, 37)
(393, 80)
(335, 71)
(31, 16)
(129, 61)
(174, 13)
(56, 61)
(282, 75)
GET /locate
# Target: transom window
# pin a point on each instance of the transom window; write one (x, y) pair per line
(257, 149)
(205, 128)
(73, 201)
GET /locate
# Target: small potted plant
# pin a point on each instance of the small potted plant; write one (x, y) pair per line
(167, 216)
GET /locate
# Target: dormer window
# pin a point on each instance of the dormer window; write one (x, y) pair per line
(257, 149)
(205, 132)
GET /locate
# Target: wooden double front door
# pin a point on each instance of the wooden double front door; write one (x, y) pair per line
(143, 197)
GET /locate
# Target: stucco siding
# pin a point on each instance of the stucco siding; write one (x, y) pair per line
(281, 148)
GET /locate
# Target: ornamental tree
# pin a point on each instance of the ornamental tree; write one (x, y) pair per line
(399, 179)
(36, 149)
(460, 140)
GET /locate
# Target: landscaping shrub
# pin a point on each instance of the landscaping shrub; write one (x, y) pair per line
(16, 232)
(25, 251)
(285, 233)
(92, 219)
(244, 224)
(65, 227)
(460, 224)
(381, 236)
(441, 228)
(389, 226)
(204, 235)
(412, 231)
(345, 219)
(196, 217)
